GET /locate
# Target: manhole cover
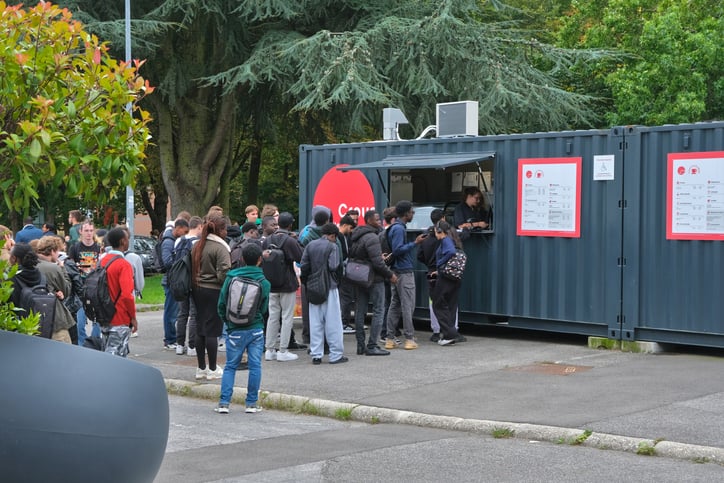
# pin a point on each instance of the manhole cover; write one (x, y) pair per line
(550, 369)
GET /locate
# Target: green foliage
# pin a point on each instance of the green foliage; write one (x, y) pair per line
(673, 73)
(8, 317)
(64, 122)
(502, 433)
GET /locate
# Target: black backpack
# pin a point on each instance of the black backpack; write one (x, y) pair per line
(179, 278)
(275, 266)
(97, 297)
(385, 243)
(158, 258)
(236, 247)
(39, 300)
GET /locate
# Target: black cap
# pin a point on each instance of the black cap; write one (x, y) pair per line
(248, 226)
(286, 220)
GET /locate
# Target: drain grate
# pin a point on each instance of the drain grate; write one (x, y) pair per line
(550, 368)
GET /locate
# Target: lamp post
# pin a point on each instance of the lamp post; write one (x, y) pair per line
(130, 211)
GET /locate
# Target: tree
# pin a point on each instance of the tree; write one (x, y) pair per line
(223, 68)
(69, 113)
(673, 72)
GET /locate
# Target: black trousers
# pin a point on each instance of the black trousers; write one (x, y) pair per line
(445, 305)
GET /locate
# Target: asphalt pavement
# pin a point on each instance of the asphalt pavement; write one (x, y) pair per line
(532, 386)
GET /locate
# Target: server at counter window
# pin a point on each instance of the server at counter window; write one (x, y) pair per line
(473, 213)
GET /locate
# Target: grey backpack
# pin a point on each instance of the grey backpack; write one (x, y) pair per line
(243, 299)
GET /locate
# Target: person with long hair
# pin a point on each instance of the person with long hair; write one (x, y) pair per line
(445, 291)
(210, 260)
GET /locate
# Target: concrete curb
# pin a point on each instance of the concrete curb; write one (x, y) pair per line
(532, 432)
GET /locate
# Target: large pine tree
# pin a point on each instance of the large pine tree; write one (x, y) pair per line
(221, 65)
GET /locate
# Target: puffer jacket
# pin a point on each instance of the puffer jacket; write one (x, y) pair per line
(366, 246)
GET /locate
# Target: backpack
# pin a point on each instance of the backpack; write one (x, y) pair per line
(455, 267)
(385, 244)
(97, 297)
(179, 278)
(38, 300)
(243, 299)
(236, 247)
(158, 255)
(275, 266)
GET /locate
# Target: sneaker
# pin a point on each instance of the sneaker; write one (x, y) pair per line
(317, 361)
(270, 355)
(410, 344)
(201, 373)
(170, 347)
(191, 352)
(284, 356)
(341, 360)
(222, 409)
(179, 350)
(460, 338)
(446, 341)
(222, 347)
(348, 329)
(390, 344)
(252, 409)
(134, 334)
(435, 337)
(211, 375)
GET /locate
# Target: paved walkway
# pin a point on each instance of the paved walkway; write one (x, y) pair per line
(538, 386)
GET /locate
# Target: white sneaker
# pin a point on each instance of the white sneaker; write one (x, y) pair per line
(179, 350)
(134, 334)
(270, 355)
(222, 347)
(252, 409)
(283, 356)
(191, 352)
(211, 375)
(201, 373)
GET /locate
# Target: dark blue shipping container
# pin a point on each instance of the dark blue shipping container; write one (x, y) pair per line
(622, 277)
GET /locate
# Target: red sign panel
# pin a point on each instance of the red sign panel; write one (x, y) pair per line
(549, 197)
(695, 196)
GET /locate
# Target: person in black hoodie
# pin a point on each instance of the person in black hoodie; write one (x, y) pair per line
(426, 255)
(366, 247)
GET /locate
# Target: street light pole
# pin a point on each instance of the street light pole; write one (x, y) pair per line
(130, 210)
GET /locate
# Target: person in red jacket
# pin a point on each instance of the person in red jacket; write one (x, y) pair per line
(120, 287)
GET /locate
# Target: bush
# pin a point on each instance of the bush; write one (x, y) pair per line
(9, 319)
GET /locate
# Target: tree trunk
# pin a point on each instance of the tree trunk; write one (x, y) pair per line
(194, 148)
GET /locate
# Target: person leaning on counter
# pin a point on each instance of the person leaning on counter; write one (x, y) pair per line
(472, 213)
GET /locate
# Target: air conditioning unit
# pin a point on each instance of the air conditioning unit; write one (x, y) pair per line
(457, 119)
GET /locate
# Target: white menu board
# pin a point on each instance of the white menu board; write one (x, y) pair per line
(695, 196)
(549, 197)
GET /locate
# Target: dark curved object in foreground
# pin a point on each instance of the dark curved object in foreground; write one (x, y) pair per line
(74, 414)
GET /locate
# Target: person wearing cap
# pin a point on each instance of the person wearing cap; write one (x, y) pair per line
(283, 297)
(250, 232)
(325, 319)
(402, 302)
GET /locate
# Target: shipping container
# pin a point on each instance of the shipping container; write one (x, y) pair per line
(615, 233)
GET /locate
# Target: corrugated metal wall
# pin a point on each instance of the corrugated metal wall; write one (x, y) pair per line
(620, 279)
(673, 289)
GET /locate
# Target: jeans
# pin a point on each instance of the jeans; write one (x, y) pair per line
(281, 308)
(375, 294)
(251, 340)
(186, 318)
(402, 304)
(170, 311)
(82, 321)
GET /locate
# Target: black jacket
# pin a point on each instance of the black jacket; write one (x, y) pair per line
(426, 250)
(366, 246)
